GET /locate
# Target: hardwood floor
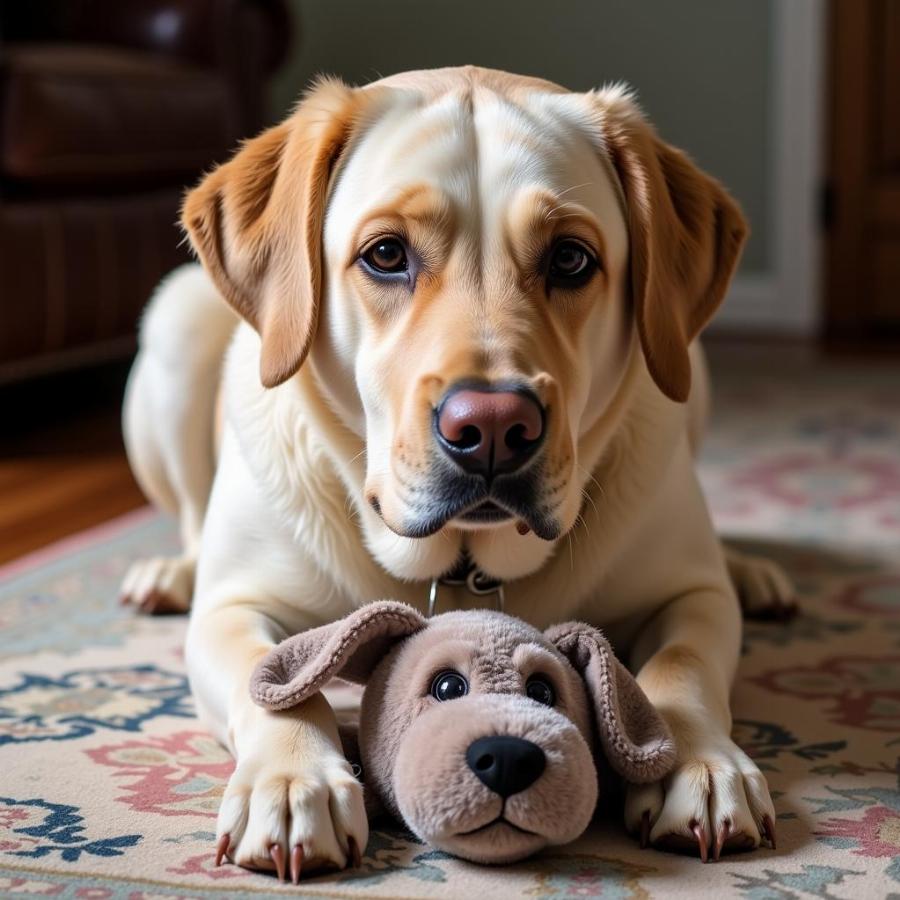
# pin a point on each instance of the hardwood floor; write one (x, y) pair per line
(62, 462)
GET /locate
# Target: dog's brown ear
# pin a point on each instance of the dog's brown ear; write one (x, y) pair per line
(349, 648)
(686, 235)
(256, 224)
(633, 735)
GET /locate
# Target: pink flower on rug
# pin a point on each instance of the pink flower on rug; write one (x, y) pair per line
(800, 479)
(877, 833)
(205, 864)
(857, 690)
(874, 595)
(14, 815)
(29, 886)
(155, 895)
(180, 774)
(13, 845)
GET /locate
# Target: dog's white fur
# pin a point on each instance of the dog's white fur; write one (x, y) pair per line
(289, 540)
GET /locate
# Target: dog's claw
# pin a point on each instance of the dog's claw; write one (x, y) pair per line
(296, 863)
(277, 856)
(645, 829)
(769, 830)
(222, 848)
(353, 853)
(721, 837)
(702, 842)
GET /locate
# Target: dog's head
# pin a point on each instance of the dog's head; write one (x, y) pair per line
(473, 262)
(476, 729)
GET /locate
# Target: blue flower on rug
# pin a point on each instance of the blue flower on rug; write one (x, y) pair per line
(813, 881)
(41, 708)
(806, 626)
(845, 799)
(767, 740)
(391, 851)
(37, 828)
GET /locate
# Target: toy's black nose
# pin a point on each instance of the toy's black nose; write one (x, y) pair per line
(506, 765)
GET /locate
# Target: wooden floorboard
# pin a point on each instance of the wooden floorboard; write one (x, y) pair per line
(62, 462)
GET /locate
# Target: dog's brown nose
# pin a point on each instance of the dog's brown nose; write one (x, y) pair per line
(489, 431)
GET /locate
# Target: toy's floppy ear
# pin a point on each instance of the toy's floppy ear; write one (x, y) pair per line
(350, 648)
(686, 235)
(633, 735)
(256, 223)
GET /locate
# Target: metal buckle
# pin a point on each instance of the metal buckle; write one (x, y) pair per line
(475, 581)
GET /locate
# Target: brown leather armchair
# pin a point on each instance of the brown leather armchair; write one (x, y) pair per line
(107, 110)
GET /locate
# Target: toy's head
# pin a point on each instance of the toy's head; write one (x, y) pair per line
(476, 729)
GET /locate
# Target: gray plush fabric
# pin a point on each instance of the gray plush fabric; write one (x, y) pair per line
(633, 734)
(413, 747)
(351, 648)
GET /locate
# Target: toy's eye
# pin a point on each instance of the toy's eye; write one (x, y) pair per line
(449, 686)
(539, 688)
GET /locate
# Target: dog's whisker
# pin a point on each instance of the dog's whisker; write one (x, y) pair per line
(566, 204)
(351, 510)
(590, 500)
(358, 455)
(590, 477)
(555, 218)
(579, 519)
(550, 214)
(574, 188)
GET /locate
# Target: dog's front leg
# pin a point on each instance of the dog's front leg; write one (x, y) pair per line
(292, 800)
(716, 798)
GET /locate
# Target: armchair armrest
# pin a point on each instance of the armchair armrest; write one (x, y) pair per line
(201, 32)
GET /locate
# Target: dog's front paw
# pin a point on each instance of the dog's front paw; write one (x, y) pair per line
(160, 585)
(764, 589)
(716, 800)
(303, 817)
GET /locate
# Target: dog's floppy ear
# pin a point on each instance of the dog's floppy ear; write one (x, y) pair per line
(633, 735)
(256, 224)
(350, 648)
(686, 235)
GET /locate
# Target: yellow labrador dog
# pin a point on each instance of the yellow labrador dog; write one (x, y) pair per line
(457, 336)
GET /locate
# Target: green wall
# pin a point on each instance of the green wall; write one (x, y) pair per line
(701, 67)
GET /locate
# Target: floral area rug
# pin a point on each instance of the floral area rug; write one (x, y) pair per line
(109, 785)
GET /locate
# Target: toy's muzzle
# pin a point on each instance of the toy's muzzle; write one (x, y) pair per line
(494, 777)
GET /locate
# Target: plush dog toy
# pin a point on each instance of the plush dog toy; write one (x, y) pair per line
(476, 729)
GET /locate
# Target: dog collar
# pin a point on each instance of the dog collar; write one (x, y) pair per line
(466, 574)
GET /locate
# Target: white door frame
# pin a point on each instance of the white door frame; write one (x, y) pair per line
(787, 298)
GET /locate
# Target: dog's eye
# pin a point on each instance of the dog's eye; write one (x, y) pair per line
(449, 686)
(570, 264)
(539, 689)
(387, 256)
